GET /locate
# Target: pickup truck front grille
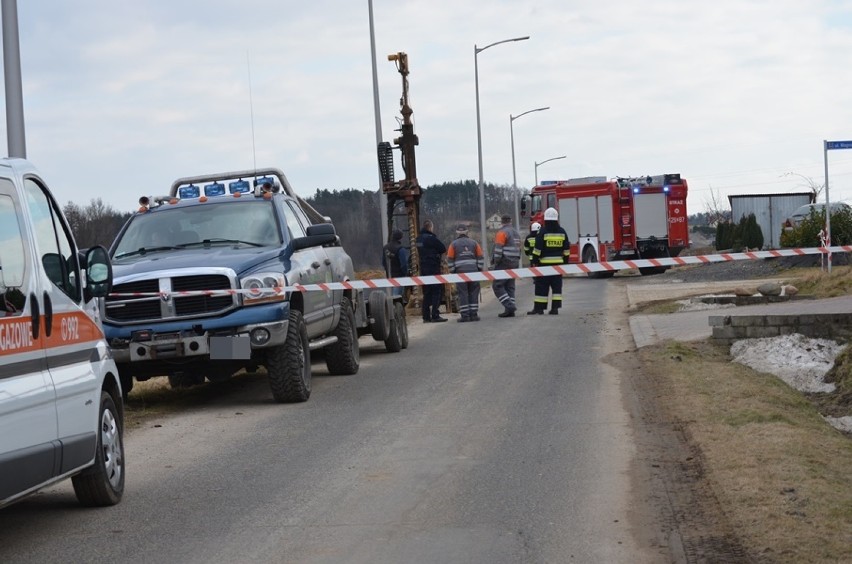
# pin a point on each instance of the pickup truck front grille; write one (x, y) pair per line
(131, 309)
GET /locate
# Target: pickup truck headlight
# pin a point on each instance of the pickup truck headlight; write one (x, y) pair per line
(268, 287)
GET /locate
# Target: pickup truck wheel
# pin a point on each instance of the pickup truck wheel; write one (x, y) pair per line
(103, 483)
(344, 356)
(126, 383)
(289, 365)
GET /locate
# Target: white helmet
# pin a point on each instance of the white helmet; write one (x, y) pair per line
(550, 214)
(535, 226)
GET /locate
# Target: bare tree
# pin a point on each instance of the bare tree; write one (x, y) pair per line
(716, 209)
(815, 188)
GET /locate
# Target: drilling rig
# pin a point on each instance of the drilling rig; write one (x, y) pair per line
(406, 192)
(404, 195)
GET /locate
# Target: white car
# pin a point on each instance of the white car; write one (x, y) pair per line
(805, 211)
(61, 414)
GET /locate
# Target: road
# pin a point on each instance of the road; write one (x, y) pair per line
(506, 440)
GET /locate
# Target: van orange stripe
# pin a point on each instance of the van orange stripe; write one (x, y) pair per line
(70, 328)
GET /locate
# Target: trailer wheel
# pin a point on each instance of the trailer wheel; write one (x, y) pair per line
(398, 338)
(289, 365)
(380, 315)
(344, 356)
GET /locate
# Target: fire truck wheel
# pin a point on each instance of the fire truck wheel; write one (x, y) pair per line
(589, 257)
(650, 270)
(289, 365)
(344, 356)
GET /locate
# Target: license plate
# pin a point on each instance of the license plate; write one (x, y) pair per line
(230, 348)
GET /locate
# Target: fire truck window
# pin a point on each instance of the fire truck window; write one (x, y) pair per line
(54, 241)
(551, 200)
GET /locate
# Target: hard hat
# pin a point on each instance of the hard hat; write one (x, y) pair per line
(535, 226)
(550, 214)
(461, 229)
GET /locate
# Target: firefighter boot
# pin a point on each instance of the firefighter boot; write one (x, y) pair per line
(554, 310)
(536, 310)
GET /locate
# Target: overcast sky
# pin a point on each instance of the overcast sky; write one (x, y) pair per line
(122, 97)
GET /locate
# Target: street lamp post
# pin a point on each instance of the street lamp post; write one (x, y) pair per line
(514, 176)
(545, 161)
(476, 52)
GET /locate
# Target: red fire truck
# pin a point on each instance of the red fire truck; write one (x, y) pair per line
(618, 219)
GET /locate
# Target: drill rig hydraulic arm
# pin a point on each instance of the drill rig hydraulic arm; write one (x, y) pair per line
(406, 191)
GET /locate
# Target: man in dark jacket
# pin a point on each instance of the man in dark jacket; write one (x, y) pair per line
(395, 260)
(429, 250)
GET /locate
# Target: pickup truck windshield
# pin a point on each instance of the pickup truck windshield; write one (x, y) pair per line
(250, 223)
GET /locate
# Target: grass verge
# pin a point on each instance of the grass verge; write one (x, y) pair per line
(781, 473)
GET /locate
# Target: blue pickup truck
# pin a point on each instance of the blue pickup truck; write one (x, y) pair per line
(202, 282)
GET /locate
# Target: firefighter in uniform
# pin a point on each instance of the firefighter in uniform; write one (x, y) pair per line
(506, 255)
(551, 249)
(465, 255)
(529, 242)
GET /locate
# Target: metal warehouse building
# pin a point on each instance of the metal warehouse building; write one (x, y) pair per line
(770, 210)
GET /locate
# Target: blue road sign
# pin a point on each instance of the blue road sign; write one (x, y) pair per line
(829, 145)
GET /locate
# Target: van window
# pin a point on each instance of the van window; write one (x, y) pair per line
(53, 240)
(12, 256)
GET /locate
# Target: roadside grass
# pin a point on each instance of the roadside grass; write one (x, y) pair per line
(779, 470)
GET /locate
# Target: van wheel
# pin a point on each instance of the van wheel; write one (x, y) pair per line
(103, 483)
(344, 356)
(289, 365)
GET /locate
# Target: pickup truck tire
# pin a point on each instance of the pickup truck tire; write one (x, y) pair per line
(289, 365)
(103, 483)
(380, 314)
(344, 356)
(188, 379)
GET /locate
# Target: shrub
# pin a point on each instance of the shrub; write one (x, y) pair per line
(806, 234)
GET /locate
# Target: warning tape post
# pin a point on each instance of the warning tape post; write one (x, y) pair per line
(515, 273)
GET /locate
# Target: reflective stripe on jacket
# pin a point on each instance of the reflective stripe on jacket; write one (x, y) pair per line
(529, 244)
(507, 248)
(465, 255)
(551, 246)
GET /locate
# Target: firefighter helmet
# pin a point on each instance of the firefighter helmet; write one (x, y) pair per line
(550, 214)
(535, 226)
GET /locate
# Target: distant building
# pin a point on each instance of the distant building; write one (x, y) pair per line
(770, 210)
(494, 222)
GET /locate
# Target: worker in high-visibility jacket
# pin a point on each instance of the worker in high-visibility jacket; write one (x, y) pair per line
(506, 256)
(551, 248)
(465, 255)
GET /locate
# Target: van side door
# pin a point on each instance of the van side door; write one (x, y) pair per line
(74, 343)
(28, 420)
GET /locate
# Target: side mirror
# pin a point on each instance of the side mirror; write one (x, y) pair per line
(524, 201)
(98, 273)
(317, 236)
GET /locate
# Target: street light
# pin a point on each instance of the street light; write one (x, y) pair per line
(514, 177)
(476, 52)
(542, 162)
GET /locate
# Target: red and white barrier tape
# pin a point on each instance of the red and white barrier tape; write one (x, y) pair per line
(516, 273)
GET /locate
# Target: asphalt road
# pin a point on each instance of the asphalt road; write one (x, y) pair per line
(505, 440)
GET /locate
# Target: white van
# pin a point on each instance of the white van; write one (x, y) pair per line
(61, 414)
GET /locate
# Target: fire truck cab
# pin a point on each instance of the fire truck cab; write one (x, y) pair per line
(618, 219)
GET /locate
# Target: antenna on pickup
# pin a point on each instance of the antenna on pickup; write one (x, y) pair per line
(251, 112)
